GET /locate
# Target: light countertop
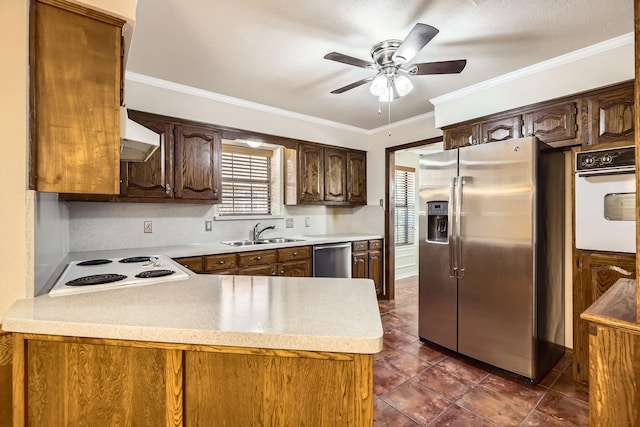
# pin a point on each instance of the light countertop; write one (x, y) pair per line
(313, 314)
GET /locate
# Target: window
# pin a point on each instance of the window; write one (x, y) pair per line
(246, 181)
(405, 206)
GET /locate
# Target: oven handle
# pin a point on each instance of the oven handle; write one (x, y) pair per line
(607, 173)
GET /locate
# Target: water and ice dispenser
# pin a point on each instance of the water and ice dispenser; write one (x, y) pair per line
(437, 221)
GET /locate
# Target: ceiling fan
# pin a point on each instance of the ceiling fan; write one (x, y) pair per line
(390, 58)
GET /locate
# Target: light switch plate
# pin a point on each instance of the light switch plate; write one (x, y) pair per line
(307, 221)
(289, 222)
(208, 225)
(148, 227)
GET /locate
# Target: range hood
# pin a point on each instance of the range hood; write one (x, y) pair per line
(137, 143)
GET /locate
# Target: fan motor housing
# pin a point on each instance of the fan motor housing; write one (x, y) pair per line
(382, 52)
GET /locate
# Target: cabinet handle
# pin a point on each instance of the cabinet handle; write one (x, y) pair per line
(258, 258)
(167, 189)
(220, 262)
(486, 139)
(281, 271)
(349, 195)
(295, 253)
(215, 191)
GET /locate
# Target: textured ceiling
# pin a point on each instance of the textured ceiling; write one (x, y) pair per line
(271, 51)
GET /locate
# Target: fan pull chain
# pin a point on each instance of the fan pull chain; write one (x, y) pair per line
(389, 112)
(379, 108)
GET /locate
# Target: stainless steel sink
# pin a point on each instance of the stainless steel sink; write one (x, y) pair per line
(261, 241)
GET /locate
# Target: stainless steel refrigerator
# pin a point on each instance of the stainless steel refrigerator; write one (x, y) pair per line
(492, 254)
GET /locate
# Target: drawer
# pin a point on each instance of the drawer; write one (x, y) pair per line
(256, 258)
(375, 244)
(220, 262)
(360, 246)
(259, 270)
(290, 254)
(193, 263)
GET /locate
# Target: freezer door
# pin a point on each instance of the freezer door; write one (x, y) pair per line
(437, 311)
(496, 291)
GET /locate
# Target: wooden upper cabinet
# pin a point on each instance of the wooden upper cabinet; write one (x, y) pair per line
(310, 173)
(357, 177)
(153, 178)
(500, 129)
(553, 123)
(460, 136)
(197, 163)
(611, 116)
(75, 65)
(335, 175)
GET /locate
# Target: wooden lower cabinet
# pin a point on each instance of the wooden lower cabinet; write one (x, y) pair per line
(6, 358)
(367, 262)
(99, 382)
(596, 272)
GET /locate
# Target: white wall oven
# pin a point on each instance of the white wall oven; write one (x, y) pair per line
(605, 191)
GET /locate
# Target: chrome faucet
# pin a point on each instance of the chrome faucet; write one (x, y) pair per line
(257, 233)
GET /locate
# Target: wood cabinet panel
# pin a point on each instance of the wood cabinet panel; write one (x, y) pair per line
(611, 116)
(295, 253)
(258, 270)
(360, 246)
(552, 123)
(500, 129)
(295, 268)
(89, 385)
(75, 66)
(192, 263)
(360, 266)
(367, 262)
(357, 178)
(598, 272)
(310, 173)
(220, 262)
(257, 257)
(197, 157)
(6, 395)
(335, 175)
(375, 269)
(153, 178)
(460, 136)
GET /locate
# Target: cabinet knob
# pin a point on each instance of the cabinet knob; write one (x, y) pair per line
(295, 253)
(281, 271)
(215, 191)
(221, 262)
(486, 139)
(167, 189)
(258, 258)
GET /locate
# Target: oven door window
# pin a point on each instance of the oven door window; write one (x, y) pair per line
(620, 206)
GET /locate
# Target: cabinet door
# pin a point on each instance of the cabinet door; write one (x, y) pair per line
(501, 129)
(197, 163)
(553, 123)
(258, 270)
(360, 266)
(611, 116)
(75, 66)
(192, 263)
(460, 136)
(335, 175)
(153, 178)
(375, 269)
(310, 173)
(220, 262)
(295, 269)
(598, 272)
(357, 177)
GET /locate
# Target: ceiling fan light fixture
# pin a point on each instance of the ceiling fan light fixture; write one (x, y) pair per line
(378, 85)
(387, 95)
(403, 85)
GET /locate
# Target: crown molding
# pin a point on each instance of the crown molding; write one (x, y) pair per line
(576, 55)
(401, 123)
(213, 96)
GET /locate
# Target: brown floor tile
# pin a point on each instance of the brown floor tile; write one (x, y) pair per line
(567, 386)
(418, 403)
(572, 411)
(391, 321)
(550, 378)
(410, 329)
(395, 339)
(528, 395)
(443, 383)
(385, 415)
(462, 369)
(455, 416)
(424, 352)
(385, 379)
(500, 409)
(538, 419)
(403, 363)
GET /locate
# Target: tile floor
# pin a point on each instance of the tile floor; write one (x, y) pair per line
(417, 385)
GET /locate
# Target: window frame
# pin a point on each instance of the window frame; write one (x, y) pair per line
(408, 208)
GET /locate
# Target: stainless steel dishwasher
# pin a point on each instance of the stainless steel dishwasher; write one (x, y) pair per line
(333, 260)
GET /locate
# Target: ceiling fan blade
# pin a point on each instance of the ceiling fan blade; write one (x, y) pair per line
(352, 85)
(350, 60)
(417, 38)
(443, 67)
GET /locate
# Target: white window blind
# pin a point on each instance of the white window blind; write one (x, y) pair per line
(405, 206)
(246, 181)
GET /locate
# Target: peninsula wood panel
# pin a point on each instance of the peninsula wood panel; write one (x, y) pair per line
(272, 389)
(81, 384)
(614, 395)
(6, 359)
(75, 64)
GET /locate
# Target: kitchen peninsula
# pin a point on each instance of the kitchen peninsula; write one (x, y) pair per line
(241, 350)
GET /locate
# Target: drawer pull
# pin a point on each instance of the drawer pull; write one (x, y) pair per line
(258, 258)
(281, 271)
(220, 262)
(295, 253)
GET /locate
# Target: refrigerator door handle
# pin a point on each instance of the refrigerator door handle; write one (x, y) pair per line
(460, 264)
(453, 266)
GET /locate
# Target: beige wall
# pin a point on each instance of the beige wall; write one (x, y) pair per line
(13, 173)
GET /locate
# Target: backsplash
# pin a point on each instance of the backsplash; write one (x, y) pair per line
(102, 226)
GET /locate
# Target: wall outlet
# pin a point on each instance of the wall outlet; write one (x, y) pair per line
(148, 227)
(208, 225)
(289, 222)
(307, 221)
